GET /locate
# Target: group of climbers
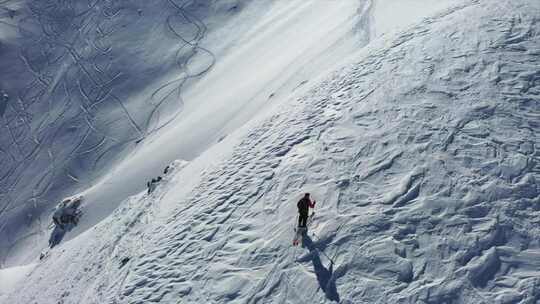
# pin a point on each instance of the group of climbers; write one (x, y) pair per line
(152, 184)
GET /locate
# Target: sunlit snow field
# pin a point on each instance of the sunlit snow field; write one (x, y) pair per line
(414, 124)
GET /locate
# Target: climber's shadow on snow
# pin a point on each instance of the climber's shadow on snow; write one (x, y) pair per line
(324, 275)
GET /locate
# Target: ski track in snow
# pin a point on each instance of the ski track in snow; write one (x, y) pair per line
(72, 118)
(94, 85)
(423, 158)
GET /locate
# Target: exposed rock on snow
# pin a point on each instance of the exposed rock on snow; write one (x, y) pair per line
(65, 216)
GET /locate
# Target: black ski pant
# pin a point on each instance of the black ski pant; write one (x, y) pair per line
(302, 219)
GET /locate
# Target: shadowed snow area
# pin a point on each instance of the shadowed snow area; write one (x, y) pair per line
(422, 152)
(72, 73)
(102, 95)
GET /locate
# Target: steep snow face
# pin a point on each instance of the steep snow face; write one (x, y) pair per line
(422, 155)
(258, 73)
(98, 97)
(79, 85)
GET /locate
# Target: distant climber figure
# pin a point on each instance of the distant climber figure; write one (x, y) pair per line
(153, 184)
(149, 185)
(303, 209)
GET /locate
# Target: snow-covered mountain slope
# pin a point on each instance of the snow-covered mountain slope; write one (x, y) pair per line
(72, 73)
(422, 154)
(102, 95)
(91, 93)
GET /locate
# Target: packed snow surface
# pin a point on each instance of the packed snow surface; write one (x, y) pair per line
(421, 152)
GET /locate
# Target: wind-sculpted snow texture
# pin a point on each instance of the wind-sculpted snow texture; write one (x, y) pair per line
(423, 158)
(71, 98)
(426, 182)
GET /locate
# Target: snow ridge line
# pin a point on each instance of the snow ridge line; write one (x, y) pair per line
(223, 232)
(228, 194)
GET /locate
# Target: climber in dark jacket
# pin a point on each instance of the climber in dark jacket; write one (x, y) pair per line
(153, 184)
(303, 209)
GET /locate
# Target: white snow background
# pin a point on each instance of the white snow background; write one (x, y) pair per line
(414, 124)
